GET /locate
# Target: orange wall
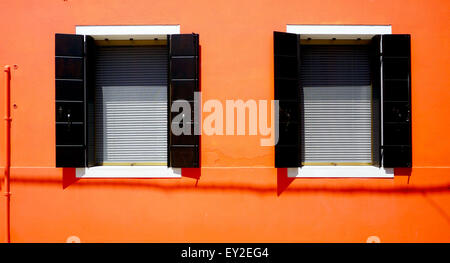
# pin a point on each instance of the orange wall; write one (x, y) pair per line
(239, 196)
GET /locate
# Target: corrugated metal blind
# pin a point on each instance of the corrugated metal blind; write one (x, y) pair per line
(337, 104)
(131, 105)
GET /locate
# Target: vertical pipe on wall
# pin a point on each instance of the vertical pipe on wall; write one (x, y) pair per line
(7, 193)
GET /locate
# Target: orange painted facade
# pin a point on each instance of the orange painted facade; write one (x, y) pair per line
(237, 195)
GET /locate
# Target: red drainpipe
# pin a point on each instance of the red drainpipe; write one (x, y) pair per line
(7, 192)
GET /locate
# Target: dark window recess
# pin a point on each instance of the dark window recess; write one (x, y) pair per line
(183, 82)
(70, 101)
(396, 59)
(287, 87)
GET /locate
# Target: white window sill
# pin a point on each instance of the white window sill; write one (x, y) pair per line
(341, 172)
(128, 172)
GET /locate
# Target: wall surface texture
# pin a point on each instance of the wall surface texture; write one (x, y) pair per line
(237, 195)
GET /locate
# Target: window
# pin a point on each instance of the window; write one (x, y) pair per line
(338, 102)
(114, 97)
(337, 120)
(131, 103)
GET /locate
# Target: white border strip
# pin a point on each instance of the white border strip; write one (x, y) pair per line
(127, 32)
(339, 31)
(341, 172)
(128, 172)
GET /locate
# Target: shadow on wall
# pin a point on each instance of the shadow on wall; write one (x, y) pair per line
(403, 172)
(193, 173)
(282, 185)
(283, 181)
(69, 177)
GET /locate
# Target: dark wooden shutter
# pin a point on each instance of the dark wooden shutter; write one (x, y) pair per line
(288, 93)
(375, 68)
(90, 50)
(396, 57)
(183, 82)
(70, 100)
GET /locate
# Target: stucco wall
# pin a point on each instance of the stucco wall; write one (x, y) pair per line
(237, 195)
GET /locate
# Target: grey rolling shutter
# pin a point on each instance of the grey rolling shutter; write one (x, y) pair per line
(287, 92)
(183, 82)
(337, 112)
(396, 100)
(70, 100)
(131, 105)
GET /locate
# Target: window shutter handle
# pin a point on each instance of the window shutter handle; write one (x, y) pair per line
(60, 111)
(69, 120)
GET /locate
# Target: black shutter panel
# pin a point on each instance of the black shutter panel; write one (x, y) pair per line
(396, 57)
(287, 92)
(69, 100)
(183, 82)
(375, 68)
(90, 50)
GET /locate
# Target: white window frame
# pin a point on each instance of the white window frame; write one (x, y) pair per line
(140, 32)
(339, 32)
